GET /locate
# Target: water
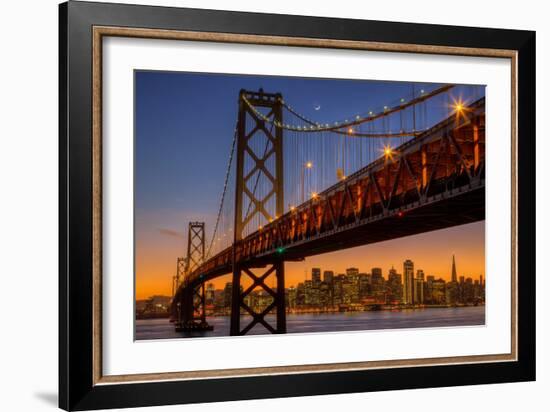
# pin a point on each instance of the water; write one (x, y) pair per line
(328, 322)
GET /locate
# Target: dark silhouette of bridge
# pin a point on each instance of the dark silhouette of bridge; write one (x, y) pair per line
(435, 179)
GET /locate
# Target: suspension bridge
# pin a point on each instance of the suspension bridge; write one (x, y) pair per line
(296, 187)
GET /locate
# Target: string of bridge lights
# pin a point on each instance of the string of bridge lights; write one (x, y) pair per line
(337, 126)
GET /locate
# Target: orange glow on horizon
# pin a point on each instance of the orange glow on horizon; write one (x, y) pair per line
(431, 252)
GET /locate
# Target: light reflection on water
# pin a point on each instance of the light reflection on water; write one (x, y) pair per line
(328, 322)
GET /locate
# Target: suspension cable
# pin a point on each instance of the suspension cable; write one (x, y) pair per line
(337, 127)
(227, 173)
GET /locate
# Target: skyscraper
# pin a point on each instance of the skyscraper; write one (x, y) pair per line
(353, 279)
(328, 276)
(408, 282)
(316, 277)
(453, 275)
(395, 285)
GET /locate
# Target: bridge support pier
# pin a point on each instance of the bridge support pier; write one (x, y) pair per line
(277, 304)
(192, 310)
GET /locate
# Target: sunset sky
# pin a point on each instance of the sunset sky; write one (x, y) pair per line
(184, 128)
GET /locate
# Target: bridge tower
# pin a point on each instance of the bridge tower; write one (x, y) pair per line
(176, 281)
(192, 299)
(252, 127)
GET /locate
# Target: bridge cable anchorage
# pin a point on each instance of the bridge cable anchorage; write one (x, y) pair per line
(220, 210)
(337, 127)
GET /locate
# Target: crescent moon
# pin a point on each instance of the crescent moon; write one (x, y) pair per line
(317, 107)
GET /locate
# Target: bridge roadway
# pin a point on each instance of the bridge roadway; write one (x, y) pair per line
(434, 181)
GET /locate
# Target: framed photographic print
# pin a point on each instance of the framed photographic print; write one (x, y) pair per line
(258, 205)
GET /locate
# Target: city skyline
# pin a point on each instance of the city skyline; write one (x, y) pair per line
(468, 248)
(355, 290)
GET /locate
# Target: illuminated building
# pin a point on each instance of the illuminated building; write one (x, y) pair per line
(308, 286)
(316, 277)
(395, 285)
(451, 293)
(353, 279)
(453, 273)
(328, 276)
(292, 295)
(408, 282)
(438, 292)
(378, 285)
(419, 287)
(364, 285)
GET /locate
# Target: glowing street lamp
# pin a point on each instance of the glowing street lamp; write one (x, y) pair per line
(459, 107)
(307, 165)
(388, 152)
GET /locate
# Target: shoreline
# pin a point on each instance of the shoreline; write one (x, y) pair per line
(379, 308)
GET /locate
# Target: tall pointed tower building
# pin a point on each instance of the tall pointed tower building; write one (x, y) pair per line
(453, 274)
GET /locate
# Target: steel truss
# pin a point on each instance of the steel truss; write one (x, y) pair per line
(274, 147)
(192, 299)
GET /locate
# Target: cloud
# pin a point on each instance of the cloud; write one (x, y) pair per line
(173, 233)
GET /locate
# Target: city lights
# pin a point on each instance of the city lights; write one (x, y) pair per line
(355, 289)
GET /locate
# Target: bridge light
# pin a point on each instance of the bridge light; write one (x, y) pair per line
(400, 214)
(314, 195)
(309, 165)
(292, 208)
(388, 152)
(458, 106)
(280, 250)
(350, 130)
